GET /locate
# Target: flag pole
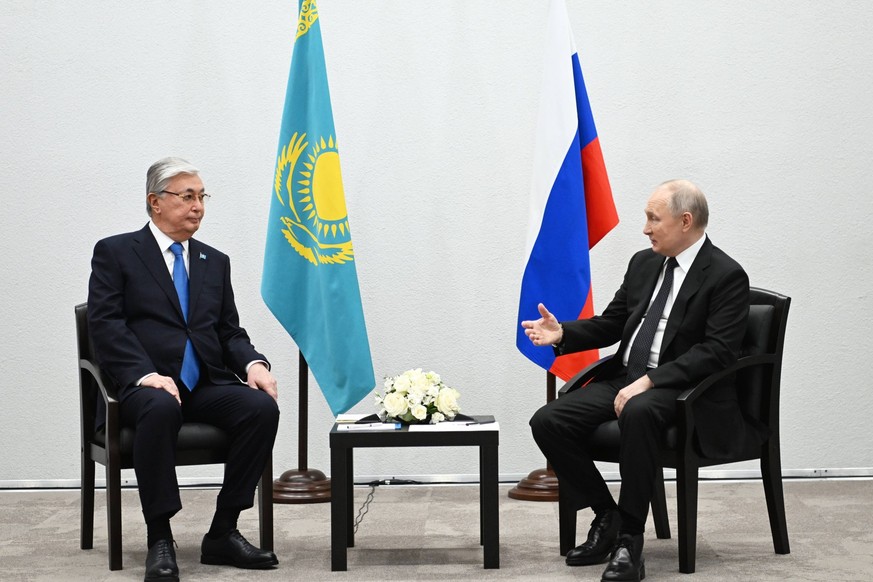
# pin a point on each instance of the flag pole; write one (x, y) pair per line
(303, 485)
(540, 484)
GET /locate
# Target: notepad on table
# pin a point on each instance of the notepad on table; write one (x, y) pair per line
(369, 426)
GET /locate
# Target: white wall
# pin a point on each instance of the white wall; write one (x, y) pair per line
(765, 105)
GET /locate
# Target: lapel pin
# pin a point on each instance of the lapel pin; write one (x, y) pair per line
(203, 256)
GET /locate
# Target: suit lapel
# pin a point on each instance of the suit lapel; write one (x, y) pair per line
(146, 248)
(648, 274)
(693, 280)
(196, 273)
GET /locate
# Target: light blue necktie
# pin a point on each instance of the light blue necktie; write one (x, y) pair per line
(190, 365)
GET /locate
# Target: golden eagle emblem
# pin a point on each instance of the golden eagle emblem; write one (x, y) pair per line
(309, 178)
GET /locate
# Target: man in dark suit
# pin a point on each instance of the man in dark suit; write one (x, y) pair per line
(679, 315)
(165, 327)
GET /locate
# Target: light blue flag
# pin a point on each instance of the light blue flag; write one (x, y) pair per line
(310, 283)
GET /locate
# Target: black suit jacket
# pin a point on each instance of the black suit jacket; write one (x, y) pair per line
(703, 335)
(136, 320)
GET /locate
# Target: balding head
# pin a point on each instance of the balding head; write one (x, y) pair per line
(676, 217)
(685, 196)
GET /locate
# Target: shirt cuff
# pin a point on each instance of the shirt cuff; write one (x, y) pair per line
(139, 382)
(253, 362)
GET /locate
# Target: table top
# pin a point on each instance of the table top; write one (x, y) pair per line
(487, 433)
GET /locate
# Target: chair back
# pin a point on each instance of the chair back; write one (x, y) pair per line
(758, 386)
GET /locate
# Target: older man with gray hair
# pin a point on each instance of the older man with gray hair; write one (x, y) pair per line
(679, 315)
(165, 327)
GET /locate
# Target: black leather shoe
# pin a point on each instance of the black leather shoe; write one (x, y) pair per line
(626, 563)
(601, 540)
(233, 549)
(161, 563)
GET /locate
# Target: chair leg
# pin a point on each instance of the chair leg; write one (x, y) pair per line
(86, 529)
(265, 506)
(659, 508)
(113, 515)
(566, 524)
(771, 471)
(686, 497)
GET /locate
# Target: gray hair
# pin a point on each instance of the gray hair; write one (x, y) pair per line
(685, 196)
(161, 172)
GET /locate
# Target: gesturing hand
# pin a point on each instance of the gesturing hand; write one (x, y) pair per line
(544, 331)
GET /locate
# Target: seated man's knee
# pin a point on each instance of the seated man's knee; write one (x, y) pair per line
(265, 408)
(161, 408)
(542, 421)
(271, 410)
(634, 411)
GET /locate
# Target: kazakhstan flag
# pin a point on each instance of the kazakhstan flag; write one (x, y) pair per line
(310, 282)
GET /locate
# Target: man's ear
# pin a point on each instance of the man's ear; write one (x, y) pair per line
(152, 201)
(687, 221)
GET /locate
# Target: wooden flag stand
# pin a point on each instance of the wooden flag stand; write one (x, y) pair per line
(540, 484)
(303, 485)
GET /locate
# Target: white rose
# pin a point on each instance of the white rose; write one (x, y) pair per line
(437, 417)
(418, 411)
(418, 380)
(447, 402)
(395, 404)
(402, 384)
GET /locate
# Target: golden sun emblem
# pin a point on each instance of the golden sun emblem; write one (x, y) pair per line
(318, 225)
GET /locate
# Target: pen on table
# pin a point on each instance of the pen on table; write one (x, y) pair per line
(483, 422)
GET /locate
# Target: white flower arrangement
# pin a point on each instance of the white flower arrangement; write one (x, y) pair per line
(415, 397)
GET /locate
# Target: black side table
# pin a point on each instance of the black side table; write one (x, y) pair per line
(342, 443)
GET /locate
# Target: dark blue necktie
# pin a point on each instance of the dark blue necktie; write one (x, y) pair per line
(190, 365)
(638, 358)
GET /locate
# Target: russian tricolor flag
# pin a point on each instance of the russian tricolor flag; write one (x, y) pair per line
(571, 205)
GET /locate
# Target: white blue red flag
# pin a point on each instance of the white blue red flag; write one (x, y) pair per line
(571, 205)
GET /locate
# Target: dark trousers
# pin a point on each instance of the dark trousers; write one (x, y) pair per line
(561, 427)
(250, 418)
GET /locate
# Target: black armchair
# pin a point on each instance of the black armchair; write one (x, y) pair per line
(111, 446)
(758, 376)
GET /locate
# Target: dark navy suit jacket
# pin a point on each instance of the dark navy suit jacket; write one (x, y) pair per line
(136, 321)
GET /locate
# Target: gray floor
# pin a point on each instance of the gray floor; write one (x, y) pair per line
(431, 533)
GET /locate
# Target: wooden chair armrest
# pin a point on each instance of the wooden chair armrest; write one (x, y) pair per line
(109, 393)
(684, 402)
(692, 394)
(106, 387)
(585, 376)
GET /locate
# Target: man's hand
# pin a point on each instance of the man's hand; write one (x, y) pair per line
(631, 390)
(260, 378)
(544, 331)
(162, 383)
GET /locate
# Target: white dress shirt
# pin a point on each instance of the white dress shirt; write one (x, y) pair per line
(164, 243)
(685, 259)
